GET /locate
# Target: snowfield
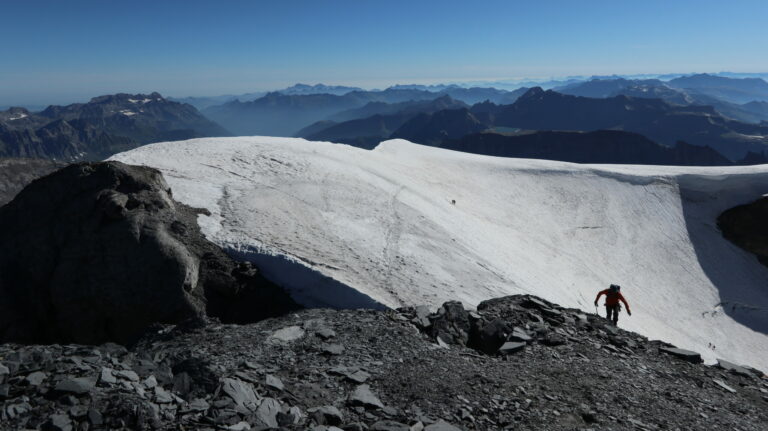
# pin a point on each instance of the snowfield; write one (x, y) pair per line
(346, 227)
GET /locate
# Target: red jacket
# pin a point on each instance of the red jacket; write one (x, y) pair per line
(612, 298)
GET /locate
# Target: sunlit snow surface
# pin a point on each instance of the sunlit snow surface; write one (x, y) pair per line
(348, 227)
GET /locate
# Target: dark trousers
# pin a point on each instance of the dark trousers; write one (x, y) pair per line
(612, 313)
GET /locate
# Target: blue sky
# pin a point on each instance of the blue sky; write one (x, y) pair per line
(64, 51)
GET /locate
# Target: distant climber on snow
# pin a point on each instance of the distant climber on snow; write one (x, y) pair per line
(612, 306)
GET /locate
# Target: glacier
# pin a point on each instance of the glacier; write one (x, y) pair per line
(407, 224)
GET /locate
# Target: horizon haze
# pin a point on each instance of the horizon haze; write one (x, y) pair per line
(81, 49)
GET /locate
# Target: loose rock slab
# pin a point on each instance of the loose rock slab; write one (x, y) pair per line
(733, 368)
(511, 347)
(362, 396)
(78, 385)
(683, 354)
(288, 334)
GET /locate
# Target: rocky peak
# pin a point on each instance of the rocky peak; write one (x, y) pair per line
(14, 115)
(532, 93)
(130, 99)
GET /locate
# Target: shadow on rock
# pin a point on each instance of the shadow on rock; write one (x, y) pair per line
(98, 251)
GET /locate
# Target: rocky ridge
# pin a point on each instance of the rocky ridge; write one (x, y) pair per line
(532, 365)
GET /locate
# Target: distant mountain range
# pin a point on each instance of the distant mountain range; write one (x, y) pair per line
(304, 89)
(661, 122)
(203, 102)
(726, 112)
(100, 128)
(674, 134)
(279, 114)
(728, 89)
(598, 147)
(434, 128)
(374, 122)
(653, 88)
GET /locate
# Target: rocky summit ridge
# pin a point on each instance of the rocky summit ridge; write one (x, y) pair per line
(408, 369)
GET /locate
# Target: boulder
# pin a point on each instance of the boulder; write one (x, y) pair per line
(451, 323)
(490, 336)
(97, 252)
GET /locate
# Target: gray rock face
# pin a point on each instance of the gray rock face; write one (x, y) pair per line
(98, 251)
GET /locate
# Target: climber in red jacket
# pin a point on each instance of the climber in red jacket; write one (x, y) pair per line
(612, 306)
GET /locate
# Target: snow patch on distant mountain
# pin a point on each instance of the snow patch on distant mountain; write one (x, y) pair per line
(329, 220)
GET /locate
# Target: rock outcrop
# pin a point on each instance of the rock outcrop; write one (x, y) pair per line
(98, 251)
